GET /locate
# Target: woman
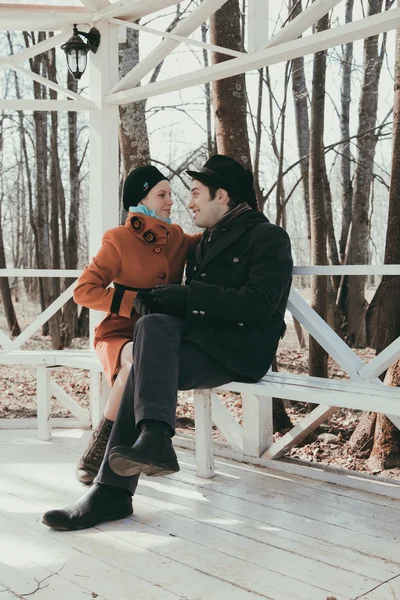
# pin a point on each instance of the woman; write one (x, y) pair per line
(145, 252)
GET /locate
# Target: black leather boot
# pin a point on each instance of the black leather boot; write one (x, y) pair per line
(152, 453)
(89, 464)
(99, 504)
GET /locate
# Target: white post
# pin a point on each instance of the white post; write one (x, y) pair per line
(257, 24)
(103, 145)
(43, 402)
(203, 427)
(257, 424)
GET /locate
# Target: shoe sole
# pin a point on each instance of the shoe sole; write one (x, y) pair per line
(66, 527)
(126, 466)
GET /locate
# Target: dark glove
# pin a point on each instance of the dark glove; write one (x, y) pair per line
(140, 303)
(168, 300)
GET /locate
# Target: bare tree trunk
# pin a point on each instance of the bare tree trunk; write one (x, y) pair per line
(229, 95)
(5, 291)
(207, 91)
(367, 139)
(384, 437)
(300, 98)
(318, 364)
(133, 135)
(70, 312)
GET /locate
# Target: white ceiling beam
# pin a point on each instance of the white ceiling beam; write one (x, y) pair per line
(302, 22)
(257, 24)
(95, 5)
(41, 18)
(178, 38)
(324, 40)
(38, 48)
(46, 82)
(135, 9)
(196, 18)
(52, 105)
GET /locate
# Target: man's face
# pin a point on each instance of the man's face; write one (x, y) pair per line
(207, 211)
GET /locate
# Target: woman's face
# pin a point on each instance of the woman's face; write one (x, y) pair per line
(159, 199)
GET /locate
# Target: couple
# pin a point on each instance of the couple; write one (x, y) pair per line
(159, 336)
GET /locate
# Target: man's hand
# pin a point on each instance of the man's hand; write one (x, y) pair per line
(165, 299)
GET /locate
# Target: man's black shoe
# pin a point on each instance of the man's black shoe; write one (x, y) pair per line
(152, 453)
(99, 504)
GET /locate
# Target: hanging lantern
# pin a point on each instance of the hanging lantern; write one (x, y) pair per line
(77, 49)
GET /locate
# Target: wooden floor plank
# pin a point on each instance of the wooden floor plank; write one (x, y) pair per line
(387, 591)
(98, 577)
(242, 535)
(154, 566)
(262, 479)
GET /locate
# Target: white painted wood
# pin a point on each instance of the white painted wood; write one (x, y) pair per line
(348, 270)
(96, 407)
(43, 317)
(382, 361)
(386, 591)
(42, 17)
(43, 403)
(226, 423)
(312, 470)
(198, 16)
(40, 272)
(47, 44)
(299, 432)
(44, 81)
(69, 403)
(104, 150)
(309, 15)
(204, 441)
(32, 423)
(95, 5)
(242, 515)
(257, 24)
(178, 38)
(135, 9)
(317, 42)
(52, 105)
(257, 425)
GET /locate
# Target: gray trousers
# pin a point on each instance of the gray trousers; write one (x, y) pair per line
(162, 365)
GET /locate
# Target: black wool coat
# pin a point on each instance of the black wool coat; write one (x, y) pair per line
(239, 284)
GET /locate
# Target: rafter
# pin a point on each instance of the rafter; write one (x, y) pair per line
(196, 18)
(317, 42)
(52, 105)
(41, 17)
(178, 38)
(36, 49)
(135, 9)
(44, 81)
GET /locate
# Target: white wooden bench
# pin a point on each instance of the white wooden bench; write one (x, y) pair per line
(255, 437)
(42, 363)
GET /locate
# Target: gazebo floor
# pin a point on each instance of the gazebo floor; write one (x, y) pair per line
(248, 533)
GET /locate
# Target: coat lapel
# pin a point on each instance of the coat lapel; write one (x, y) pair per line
(224, 241)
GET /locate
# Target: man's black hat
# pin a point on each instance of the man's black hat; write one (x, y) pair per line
(226, 173)
(138, 184)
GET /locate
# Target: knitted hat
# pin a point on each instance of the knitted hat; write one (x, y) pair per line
(138, 184)
(226, 173)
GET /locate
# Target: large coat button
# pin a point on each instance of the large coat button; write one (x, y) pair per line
(236, 260)
(157, 249)
(195, 312)
(202, 313)
(163, 276)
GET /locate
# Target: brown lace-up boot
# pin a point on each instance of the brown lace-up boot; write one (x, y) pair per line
(89, 464)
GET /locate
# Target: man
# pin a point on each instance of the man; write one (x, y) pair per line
(223, 325)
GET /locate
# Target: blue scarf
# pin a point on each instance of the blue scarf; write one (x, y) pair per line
(143, 210)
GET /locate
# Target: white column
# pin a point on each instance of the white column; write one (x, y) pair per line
(257, 24)
(103, 145)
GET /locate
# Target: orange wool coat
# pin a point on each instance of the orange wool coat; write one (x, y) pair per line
(143, 253)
